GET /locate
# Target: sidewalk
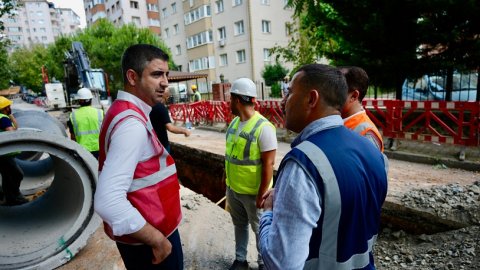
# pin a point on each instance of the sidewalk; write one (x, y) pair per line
(413, 151)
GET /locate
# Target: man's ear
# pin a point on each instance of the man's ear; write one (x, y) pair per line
(355, 95)
(132, 77)
(313, 98)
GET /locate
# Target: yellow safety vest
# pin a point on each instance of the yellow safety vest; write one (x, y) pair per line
(86, 122)
(1, 130)
(243, 164)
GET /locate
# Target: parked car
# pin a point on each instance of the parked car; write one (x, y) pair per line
(432, 87)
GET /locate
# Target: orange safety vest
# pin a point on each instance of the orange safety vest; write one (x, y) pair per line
(155, 189)
(362, 124)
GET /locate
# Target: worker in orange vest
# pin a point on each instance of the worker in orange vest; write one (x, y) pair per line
(353, 114)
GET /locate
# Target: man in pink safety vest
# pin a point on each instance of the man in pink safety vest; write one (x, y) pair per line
(137, 192)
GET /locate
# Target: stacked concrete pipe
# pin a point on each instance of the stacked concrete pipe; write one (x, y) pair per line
(49, 230)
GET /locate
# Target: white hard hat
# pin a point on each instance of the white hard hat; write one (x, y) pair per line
(84, 93)
(244, 87)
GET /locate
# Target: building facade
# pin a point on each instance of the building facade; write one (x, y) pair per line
(222, 38)
(142, 13)
(38, 22)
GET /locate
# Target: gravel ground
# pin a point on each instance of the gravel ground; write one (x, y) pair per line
(449, 250)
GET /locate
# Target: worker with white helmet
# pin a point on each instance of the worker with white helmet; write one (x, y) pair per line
(12, 174)
(85, 122)
(249, 159)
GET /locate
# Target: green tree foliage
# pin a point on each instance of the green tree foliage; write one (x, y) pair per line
(393, 39)
(273, 73)
(26, 66)
(103, 43)
(6, 8)
(5, 71)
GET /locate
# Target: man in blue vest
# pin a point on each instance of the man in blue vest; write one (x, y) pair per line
(85, 122)
(12, 174)
(249, 160)
(324, 212)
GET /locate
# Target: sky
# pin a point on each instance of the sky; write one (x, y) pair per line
(75, 5)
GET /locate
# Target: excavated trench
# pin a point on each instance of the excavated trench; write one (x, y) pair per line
(202, 172)
(60, 179)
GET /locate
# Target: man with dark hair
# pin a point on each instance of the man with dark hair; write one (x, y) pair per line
(354, 116)
(161, 123)
(251, 144)
(85, 122)
(137, 192)
(324, 212)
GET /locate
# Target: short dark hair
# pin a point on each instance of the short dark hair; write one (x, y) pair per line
(137, 56)
(246, 100)
(328, 81)
(357, 78)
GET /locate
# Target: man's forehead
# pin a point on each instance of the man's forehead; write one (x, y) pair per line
(158, 64)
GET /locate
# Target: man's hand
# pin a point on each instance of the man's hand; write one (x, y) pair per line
(161, 250)
(187, 133)
(268, 199)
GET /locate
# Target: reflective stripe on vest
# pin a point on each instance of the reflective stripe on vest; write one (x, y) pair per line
(332, 198)
(243, 165)
(362, 124)
(86, 122)
(154, 191)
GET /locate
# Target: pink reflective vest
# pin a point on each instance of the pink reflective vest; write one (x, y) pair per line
(155, 189)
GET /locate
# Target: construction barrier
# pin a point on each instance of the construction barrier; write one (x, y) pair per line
(429, 121)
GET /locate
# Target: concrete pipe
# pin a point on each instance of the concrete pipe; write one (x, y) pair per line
(37, 166)
(49, 230)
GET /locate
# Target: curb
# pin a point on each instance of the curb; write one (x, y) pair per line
(419, 158)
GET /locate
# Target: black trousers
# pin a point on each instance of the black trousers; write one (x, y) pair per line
(139, 257)
(12, 176)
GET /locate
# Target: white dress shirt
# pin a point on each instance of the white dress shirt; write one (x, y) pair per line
(129, 144)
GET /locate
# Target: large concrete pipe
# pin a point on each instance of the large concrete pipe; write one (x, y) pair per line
(49, 230)
(37, 166)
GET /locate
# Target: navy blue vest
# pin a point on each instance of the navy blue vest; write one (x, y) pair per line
(351, 178)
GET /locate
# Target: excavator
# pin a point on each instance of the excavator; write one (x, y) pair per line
(78, 74)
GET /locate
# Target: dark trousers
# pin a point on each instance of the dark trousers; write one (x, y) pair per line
(140, 256)
(12, 176)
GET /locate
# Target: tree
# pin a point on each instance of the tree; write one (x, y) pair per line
(273, 73)
(26, 66)
(393, 39)
(6, 8)
(5, 72)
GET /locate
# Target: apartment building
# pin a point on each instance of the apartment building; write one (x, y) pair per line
(225, 38)
(143, 13)
(228, 38)
(38, 22)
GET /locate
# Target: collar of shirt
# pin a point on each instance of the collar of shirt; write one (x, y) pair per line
(316, 126)
(346, 118)
(123, 95)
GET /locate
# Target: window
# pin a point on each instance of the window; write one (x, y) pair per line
(43, 30)
(134, 4)
(239, 29)
(266, 55)
(237, 2)
(15, 29)
(167, 33)
(197, 14)
(176, 29)
(39, 13)
(199, 39)
(241, 56)
(191, 3)
(153, 22)
(265, 2)
(174, 8)
(44, 38)
(223, 60)
(136, 21)
(201, 63)
(266, 26)
(288, 29)
(222, 33)
(164, 12)
(178, 50)
(219, 5)
(152, 7)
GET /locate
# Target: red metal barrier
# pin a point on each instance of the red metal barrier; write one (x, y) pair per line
(433, 121)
